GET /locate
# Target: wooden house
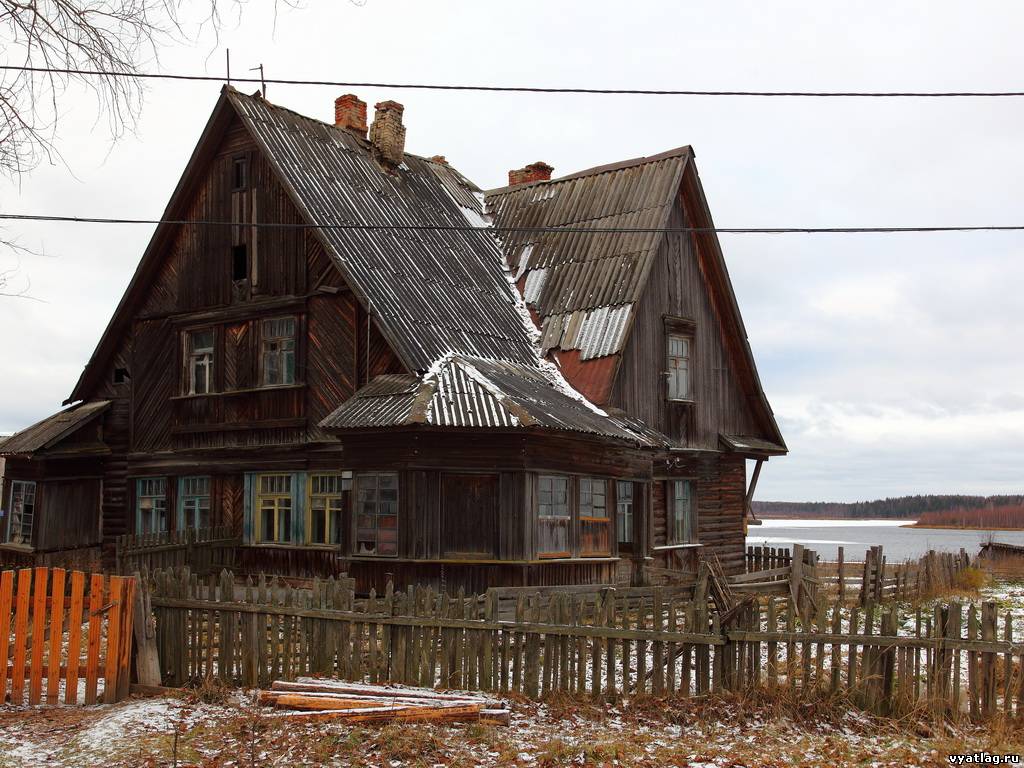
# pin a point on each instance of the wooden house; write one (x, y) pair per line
(359, 361)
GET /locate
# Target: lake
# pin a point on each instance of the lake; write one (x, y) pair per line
(855, 536)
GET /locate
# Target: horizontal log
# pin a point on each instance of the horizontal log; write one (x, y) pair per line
(313, 703)
(313, 685)
(390, 715)
(762, 575)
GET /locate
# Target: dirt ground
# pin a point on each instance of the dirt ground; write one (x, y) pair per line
(720, 733)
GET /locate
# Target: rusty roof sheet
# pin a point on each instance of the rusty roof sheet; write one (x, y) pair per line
(481, 393)
(431, 292)
(583, 286)
(52, 429)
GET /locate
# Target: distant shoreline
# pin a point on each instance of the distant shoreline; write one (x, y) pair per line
(959, 527)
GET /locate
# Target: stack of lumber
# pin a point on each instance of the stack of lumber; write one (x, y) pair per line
(312, 699)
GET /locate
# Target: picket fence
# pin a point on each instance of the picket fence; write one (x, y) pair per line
(604, 644)
(59, 629)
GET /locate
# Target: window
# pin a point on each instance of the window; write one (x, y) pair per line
(239, 174)
(553, 516)
(274, 509)
(151, 505)
(679, 350)
(278, 347)
(682, 523)
(595, 525)
(326, 502)
(23, 511)
(239, 262)
(195, 502)
(624, 512)
(377, 514)
(200, 361)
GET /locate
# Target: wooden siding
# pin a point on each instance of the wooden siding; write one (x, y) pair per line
(677, 289)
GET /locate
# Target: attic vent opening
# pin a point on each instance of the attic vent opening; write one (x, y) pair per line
(239, 262)
(121, 376)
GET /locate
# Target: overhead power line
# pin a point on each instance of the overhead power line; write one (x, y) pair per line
(519, 88)
(504, 230)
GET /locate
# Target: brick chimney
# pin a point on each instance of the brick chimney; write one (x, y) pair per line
(538, 171)
(387, 134)
(350, 113)
(440, 159)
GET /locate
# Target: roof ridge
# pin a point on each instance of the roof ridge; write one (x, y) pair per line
(618, 165)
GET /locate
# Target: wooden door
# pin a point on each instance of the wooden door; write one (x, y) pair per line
(469, 515)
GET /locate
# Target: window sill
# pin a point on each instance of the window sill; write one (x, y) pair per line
(571, 560)
(668, 547)
(27, 548)
(681, 400)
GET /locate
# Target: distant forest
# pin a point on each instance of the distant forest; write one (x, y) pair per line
(908, 507)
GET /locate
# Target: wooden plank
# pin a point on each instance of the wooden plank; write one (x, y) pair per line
(74, 636)
(124, 654)
(35, 683)
(6, 600)
(114, 630)
(56, 636)
(97, 585)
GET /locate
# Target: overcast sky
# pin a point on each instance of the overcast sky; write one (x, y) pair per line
(893, 362)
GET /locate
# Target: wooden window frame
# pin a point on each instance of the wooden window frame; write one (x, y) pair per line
(190, 504)
(264, 340)
(334, 523)
(239, 161)
(670, 512)
(670, 367)
(358, 531)
(591, 519)
(276, 499)
(153, 510)
(625, 524)
(565, 520)
(34, 487)
(209, 355)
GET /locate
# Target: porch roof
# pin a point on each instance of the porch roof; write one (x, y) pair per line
(52, 429)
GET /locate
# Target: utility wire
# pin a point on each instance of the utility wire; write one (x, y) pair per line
(519, 88)
(503, 230)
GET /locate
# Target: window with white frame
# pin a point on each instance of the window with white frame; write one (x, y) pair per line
(274, 509)
(553, 516)
(595, 523)
(195, 502)
(326, 504)
(682, 528)
(624, 512)
(278, 351)
(377, 514)
(151, 505)
(22, 512)
(680, 348)
(199, 371)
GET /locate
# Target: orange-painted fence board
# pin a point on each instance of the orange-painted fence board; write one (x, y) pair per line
(47, 607)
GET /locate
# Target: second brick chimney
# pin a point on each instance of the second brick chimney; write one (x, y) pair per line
(350, 113)
(538, 171)
(387, 134)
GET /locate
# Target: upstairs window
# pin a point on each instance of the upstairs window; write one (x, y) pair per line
(678, 367)
(553, 516)
(595, 524)
(274, 509)
(151, 505)
(377, 514)
(22, 513)
(239, 262)
(199, 371)
(195, 502)
(326, 502)
(278, 351)
(624, 512)
(239, 174)
(682, 523)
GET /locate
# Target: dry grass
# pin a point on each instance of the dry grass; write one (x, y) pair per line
(970, 580)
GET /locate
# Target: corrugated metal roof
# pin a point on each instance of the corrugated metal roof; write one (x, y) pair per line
(431, 292)
(480, 393)
(52, 429)
(582, 286)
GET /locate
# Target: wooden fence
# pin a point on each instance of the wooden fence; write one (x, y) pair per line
(601, 644)
(69, 630)
(208, 550)
(875, 580)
